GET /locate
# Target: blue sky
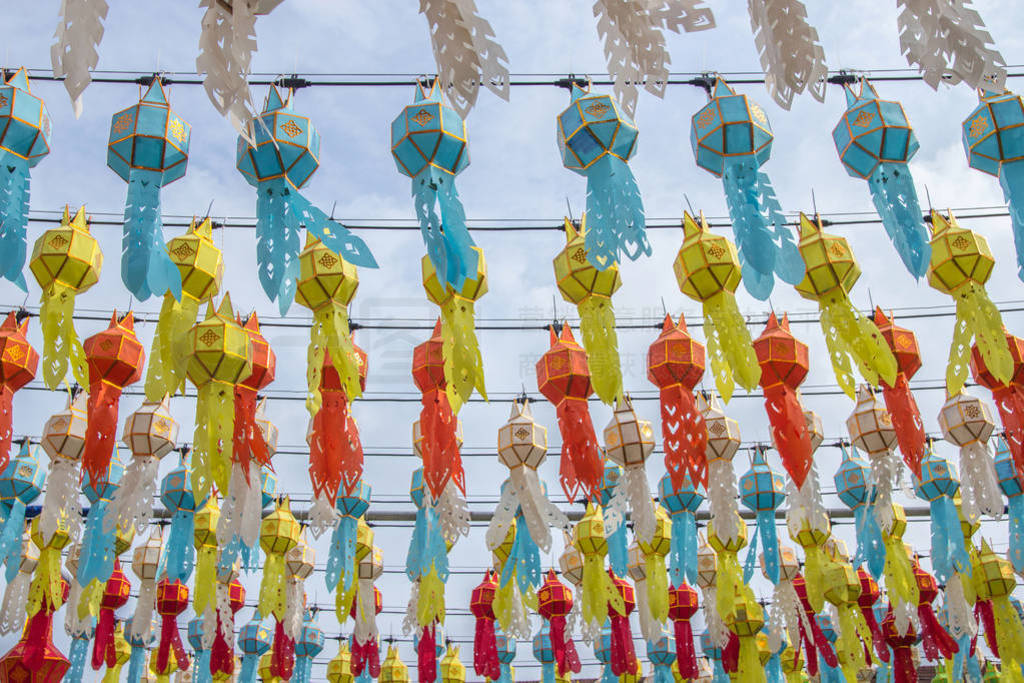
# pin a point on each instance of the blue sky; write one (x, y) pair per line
(515, 174)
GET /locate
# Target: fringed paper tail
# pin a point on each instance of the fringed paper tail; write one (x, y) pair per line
(446, 236)
(851, 335)
(14, 196)
(733, 357)
(61, 346)
(757, 248)
(977, 317)
(168, 357)
(463, 364)
(1011, 178)
(615, 214)
(895, 199)
(213, 442)
(132, 503)
(60, 502)
(979, 485)
(789, 430)
(146, 267)
(906, 420)
(581, 469)
(597, 326)
(277, 241)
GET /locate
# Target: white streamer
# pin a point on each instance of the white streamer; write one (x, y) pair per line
(791, 55)
(132, 502)
(75, 54)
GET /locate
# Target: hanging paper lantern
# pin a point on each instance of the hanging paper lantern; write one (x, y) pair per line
(308, 645)
(675, 363)
(365, 608)
(64, 436)
(991, 145)
(34, 657)
(784, 364)
(46, 592)
(596, 139)
(831, 272)
(708, 270)
(723, 442)
(204, 599)
(266, 670)
(201, 268)
(179, 499)
(485, 648)
(871, 430)
(900, 584)
(994, 582)
(681, 503)
(506, 655)
(628, 442)
(570, 563)
(277, 157)
(901, 642)
(23, 144)
(589, 538)
(18, 362)
(784, 623)
(1012, 486)
(961, 264)
(938, 484)
(200, 652)
(171, 601)
(21, 483)
(590, 289)
(765, 243)
(544, 653)
(463, 364)
(728, 581)
(429, 144)
(842, 590)
(806, 507)
(853, 486)
(441, 460)
(762, 492)
(906, 417)
(341, 561)
(230, 599)
(869, 596)
(148, 148)
(393, 670)
(254, 642)
(1008, 393)
(654, 551)
(936, 640)
(744, 619)
(564, 378)
(662, 654)
(967, 423)
(875, 141)
(812, 539)
(451, 668)
(12, 616)
(151, 433)
(426, 563)
(279, 533)
(339, 669)
(815, 642)
(682, 605)
(66, 261)
(623, 655)
(554, 602)
(122, 653)
(299, 563)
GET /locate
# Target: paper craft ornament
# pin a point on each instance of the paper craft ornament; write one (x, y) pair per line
(115, 596)
(1012, 486)
(707, 270)
(723, 442)
(180, 500)
(279, 533)
(853, 636)
(938, 484)
(506, 655)
(653, 551)
(764, 241)
(204, 598)
(438, 425)
(961, 264)
(254, 642)
(23, 144)
(46, 592)
(869, 596)
(1008, 393)
(171, 601)
(200, 265)
(18, 363)
(871, 430)
(35, 657)
(628, 443)
(299, 564)
(554, 603)
(854, 488)
(590, 289)
(875, 141)
(339, 669)
(16, 593)
(340, 570)
(762, 492)
(278, 154)
(145, 565)
(21, 483)
(64, 436)
(151, 433)
(966, 422)
(597, 587)
(784, 623)
(309, 644)
(682, 606)
(148, 148)
(570, 562)
(784, 364)
(820, 654)
(900, 584)
(426, 563)
(937, 642)
(220, 357)
(637, 571)
(201, 653)
(544, 653)
(899, 401)
(806, 505)
(994, 582)
(852, 338)
(451, 668)
(122, 654)
(66, 261)
(790, 53)
(99, 545)
(744, 619)
(429, 144)
(365, 608)
(681, 503)
(614, 504)
(563, 377)
(675, 364)
(620, 604)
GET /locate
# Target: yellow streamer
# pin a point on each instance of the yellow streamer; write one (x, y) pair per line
(213, 442)
(343, 600)
(722, 317)
(654, 553)
(89, 600)
(749, 668)
(859, 339)
(597, 588)
(597, 327)
(431, 599)
(1010, 635)
(900, 583)
(204, 594)
(272, 597)
(46, 587)
(464, 365)
(503, 601)
(168, 359)
(61, 345)
(977, 317)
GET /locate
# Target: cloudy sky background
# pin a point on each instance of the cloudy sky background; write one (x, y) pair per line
(515, 176)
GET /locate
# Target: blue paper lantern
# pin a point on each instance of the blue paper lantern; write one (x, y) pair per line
(307, 647)
(1012, 486)
(506, 646)
(544, 653)
(21, 482)
(283, 155)
(254, 641)
(427, 549)
(24, 141)
(618, 548)
(140, 645)
(148, 148)
(201, 660)
(662, 653)
(993, 136)
(731, 138)
(875, 142)
(97, 559)
(938, 484)
(762, 491)
(596, 139)
(714, 655)
(342, 557)
(681, 504)
(177, 497)
(853, 488)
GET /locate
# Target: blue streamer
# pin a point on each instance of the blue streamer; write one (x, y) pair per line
(247, 674)
(1016, 520)
(615, 213)
(789, 264)
(229, 552)
(548, 672)
(753, 239)
(146, 267)
(417, 545)
(14, 195)
(527, 557)
(773, 670)
(751, 561)
(180, 553)
(663, 673)
(97, 558)
(342, 556)
(201, 667)
(718, 671)
(427, 547)
(870, 544)
(361, 678)
(895, 199)
(1011, 178)
(10, 537)
(506, 673)
(769, 543)
(77, 656)
(449, 244)
(677, 550)
(948, 551)
(137, 664)
(618, 550)
(829, 674)
(303, 667)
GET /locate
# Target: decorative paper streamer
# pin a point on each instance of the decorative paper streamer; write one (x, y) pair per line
(946, 40)
(204, 597)
(15, 599)
(46, 593)
(681, 504)
(35, 657)
(628, 443)
(713, 652)
(937, 642)
(723, 442)
(63, 440)
(201, 664)
(967, 423)
(279, 533)
(899, 401)
(707, 270)
(151, 433)
(786, 617)
(765, 243)
(74, 54)
(637, 570)
(24, 142)
(145, 564)
(613, 509)
(180, 500)
(623, 654)
(815, 642)
(994, 582)
(1012, 486)
(900, 584)
(554, 602)
(299, 563)
(791, 55)
(869, 595)
(341, 560)
(762, 492)
(99, 545)
(66, 261)
(426, 563)
(854, 637)
(682, 605)
(1008, 393)
(18, 363)
(653, 552)
(115, 596)
(854, 488)
(506, 655)
(806, 508)
(938, 484)
(598, 590)
(171, 601)
(570, 562)
(365, 608)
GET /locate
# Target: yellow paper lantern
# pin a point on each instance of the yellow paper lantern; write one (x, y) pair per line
(392, 669)
(708, 270)
(279, 533)
(66, 261)
(452, 668)
(812, 538)
(994, 581)
(590, 290)
(339, 669)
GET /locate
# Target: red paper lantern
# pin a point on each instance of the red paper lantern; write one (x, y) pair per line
(222, 652)
(335, 450)
(485, 644)
(902, 645)
(935, 639)
(115, 357)
(563, 376)
(682, 605)
(35, 658)
(623, 655)
(906, 416)
(171, 601)
(115, 596)
(249, 444)
(441, 460)
(869, 594)
(1009, 397)
(675, 363)
(18, 363)
(784, 365)
(554, 602)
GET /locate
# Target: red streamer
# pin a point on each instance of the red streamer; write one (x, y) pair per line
(902, 646)
(6, 420)
(869, 595)
(623, 655)
(102, 429)
(816, 641)
(682, 605)
(485, 644)
(438, 424)
(984, 613)
(427, 655)
(936, 640)
(365, 656)
(1009, 397)
(282, 658)
(171, 600)
(731, 654)
(115, 596)
(222, 652)
(554, 602)
(248, 440)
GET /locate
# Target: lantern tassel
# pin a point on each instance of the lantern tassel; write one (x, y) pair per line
(132, 502)
(1011, 179)
(757, 249)
(10, 537)
(977, 316)
(14, 198)
(684, 435)
(729, 346)
(870, 545)
(6, 418)
(722, 499)
(453, 513)
(441, 459)
(169, 356)
(247, 440)
(61, 500)
(615, 213)
(213, 441)
(581, 468)
(77, 656)
(597, 325)
(431, 598)
(900, 583)
(179, 557)
(683, 548)
(769, 543)
(342, 557)
(892, 191)
(141, 621)
(427, 655)
(277, 242)
(789, 430)
(204, 588)
(906, 420)
(97, 557)
(102, 428)
(979, 485)
(1010, 636)
(61, 345)
(849, 334)
(273, 599)
(449, 244)
(146, 267)
(15, 603)
(282, 659)
(330, 334)
(464, 365)
(949, 552)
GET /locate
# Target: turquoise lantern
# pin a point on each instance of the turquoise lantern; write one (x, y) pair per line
(993, 136)
(140, 644)
(596, 139)
(681, 504)
(875, 142)
(201, 660)
(24, 141)
(662, 653)
(341, 561)
(21, 482)
(603, 653)
(1012, 486)
(283, 156)
(731, 138)
(177, 497)
(506, 646)
(853, 487)
(97, 559)
(714, 655)
(427, 548)
(544, 653)
(937, 485)
(618, 548)
(254, 642)
(308, 645)
(429, 144)
(762, 491)
(148, 148)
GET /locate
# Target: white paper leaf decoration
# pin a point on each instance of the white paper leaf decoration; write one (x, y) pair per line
(791, 56)
(466, 52)
(947, 41)
(78, 35)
